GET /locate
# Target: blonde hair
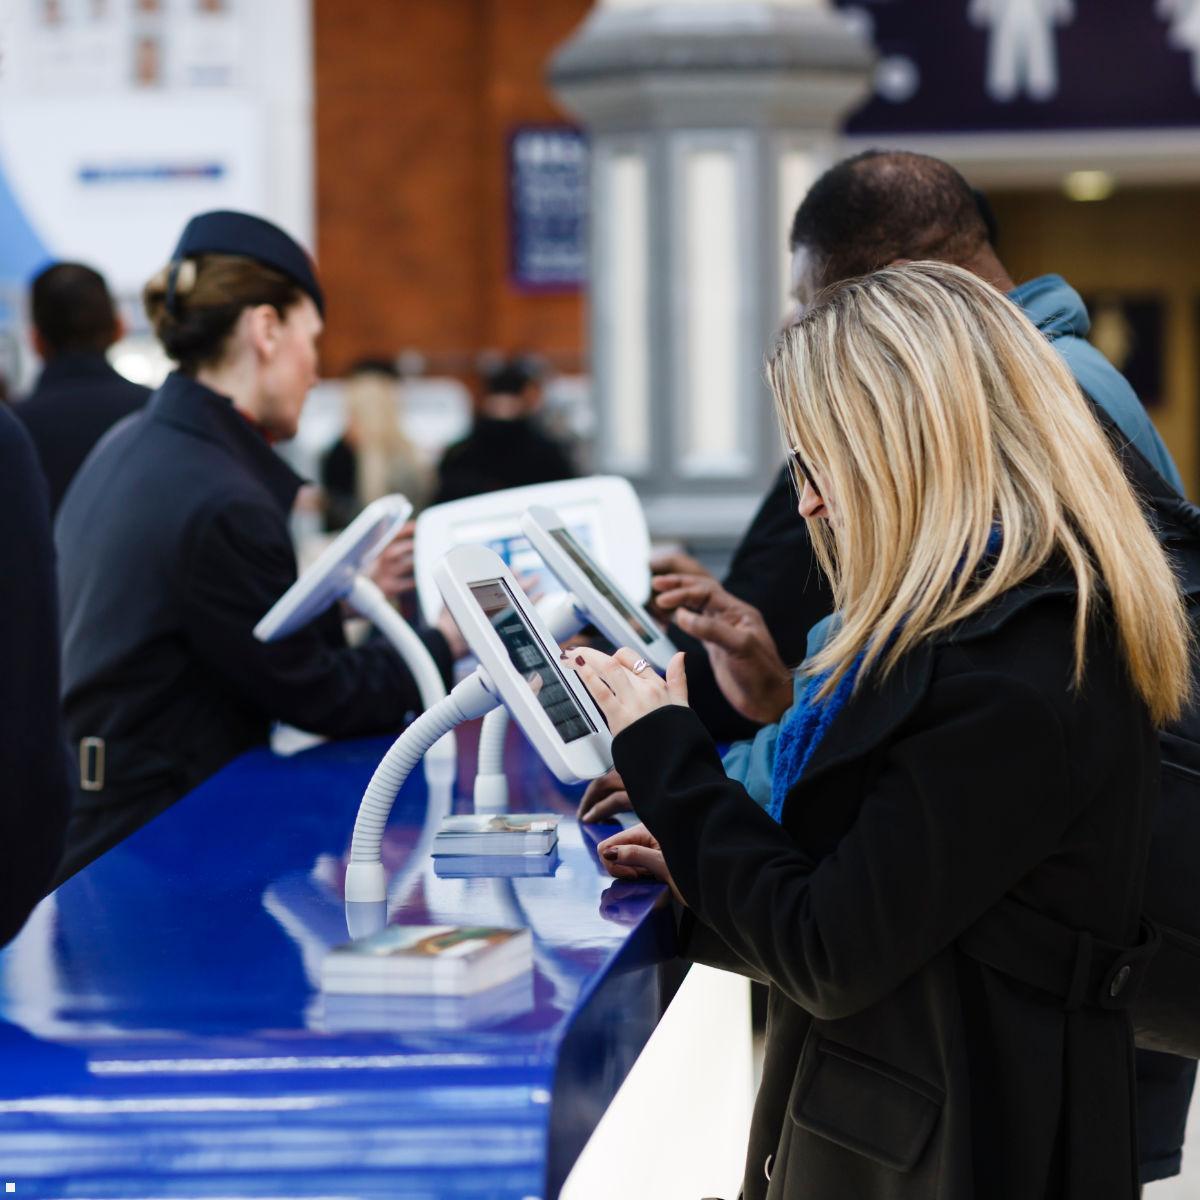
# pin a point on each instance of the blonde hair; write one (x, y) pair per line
(388, 461)
(932, 412)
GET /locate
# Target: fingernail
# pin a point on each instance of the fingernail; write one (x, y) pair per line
(610, 854)
(579, 660)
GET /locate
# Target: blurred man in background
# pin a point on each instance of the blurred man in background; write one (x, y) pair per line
(506, 446)
(78, 396)
(35, 796)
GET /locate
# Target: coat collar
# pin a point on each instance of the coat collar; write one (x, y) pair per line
(75, 365)
(188, 405)
(878, 709)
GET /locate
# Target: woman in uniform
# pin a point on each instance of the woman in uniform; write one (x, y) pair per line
(173, 542)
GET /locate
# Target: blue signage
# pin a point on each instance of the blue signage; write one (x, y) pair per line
(548, 204)
(93, 173)
(1026, 65)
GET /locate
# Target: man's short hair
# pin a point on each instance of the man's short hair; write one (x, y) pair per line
(72, 309)
(884, 205)
(511, 378)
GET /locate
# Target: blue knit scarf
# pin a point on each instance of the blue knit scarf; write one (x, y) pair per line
(802, 731)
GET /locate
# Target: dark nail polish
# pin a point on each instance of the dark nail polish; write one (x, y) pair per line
(579, 660)
(610, 854)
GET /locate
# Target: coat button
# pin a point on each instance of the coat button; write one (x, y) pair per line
(1120, 979)
(767, 1167)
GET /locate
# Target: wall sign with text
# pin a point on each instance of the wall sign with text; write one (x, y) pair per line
(548, 203)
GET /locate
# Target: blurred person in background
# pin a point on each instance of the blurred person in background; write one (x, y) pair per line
(78, 396)
(506, 446)
(35, 796)
(374, 456)
(174, 542)
(743, 637)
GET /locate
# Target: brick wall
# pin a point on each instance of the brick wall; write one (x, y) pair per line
(414, 103)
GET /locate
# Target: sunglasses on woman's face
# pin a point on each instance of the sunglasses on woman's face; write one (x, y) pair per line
(805, 473)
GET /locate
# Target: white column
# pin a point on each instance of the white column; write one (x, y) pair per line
(708, 120)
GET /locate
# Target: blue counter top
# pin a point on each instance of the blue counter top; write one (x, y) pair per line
(162, 1030)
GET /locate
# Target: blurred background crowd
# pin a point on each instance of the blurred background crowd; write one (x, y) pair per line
(443, 161)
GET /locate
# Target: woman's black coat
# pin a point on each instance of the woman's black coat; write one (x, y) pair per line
(173, 542)
(897, 1065)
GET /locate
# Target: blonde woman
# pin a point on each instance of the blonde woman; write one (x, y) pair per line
(942, 887)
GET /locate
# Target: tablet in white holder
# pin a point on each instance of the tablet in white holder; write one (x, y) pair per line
(521, 658)
(595, 592)
(602, 513)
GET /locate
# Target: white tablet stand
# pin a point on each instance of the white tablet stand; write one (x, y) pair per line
(592, 595)
(340, 573)
(602, 511)
(518, 666)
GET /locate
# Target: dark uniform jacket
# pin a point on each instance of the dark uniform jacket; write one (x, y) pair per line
(500, 454)
(78, 398)
(970, 783)
(173, 543)
(34, 791)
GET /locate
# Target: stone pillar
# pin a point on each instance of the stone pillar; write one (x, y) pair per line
(708, 120)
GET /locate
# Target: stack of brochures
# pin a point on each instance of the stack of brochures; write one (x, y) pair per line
(504, 833)
(427, 960)
(496, 866)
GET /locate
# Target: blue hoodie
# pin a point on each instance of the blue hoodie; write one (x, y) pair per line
(1057, 310)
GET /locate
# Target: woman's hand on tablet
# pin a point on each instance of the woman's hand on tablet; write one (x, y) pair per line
(624, 686)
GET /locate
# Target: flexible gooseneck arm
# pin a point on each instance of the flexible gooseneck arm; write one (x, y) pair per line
(366, 598)
(365, 879)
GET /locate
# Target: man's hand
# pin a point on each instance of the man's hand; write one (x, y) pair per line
(622, 694)
(671, 562)
(605, 797)
(634, 853)
(392, 570)
(745, 662)
(676, 562)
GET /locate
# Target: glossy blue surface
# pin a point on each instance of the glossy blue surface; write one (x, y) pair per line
(162, 1032)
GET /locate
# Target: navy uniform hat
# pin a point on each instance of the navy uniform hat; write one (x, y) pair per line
(241, 234)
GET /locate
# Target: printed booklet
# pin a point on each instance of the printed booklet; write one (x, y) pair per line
(501, 833)
(427, 960)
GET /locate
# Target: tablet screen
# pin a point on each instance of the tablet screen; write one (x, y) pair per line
(526, 654)
(601, 583)
(503, 534)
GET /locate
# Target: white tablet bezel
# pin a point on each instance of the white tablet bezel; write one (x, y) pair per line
(620, 540)
(464, 567)
(331, 577)
(539, 524)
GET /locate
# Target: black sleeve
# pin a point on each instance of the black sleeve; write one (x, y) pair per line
(954, 821)
(238, 563)
(34, 788)
(774, 569)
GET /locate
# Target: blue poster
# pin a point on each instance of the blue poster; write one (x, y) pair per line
(548, 203)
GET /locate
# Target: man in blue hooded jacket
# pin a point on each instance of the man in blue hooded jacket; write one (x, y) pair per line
(877, 208)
